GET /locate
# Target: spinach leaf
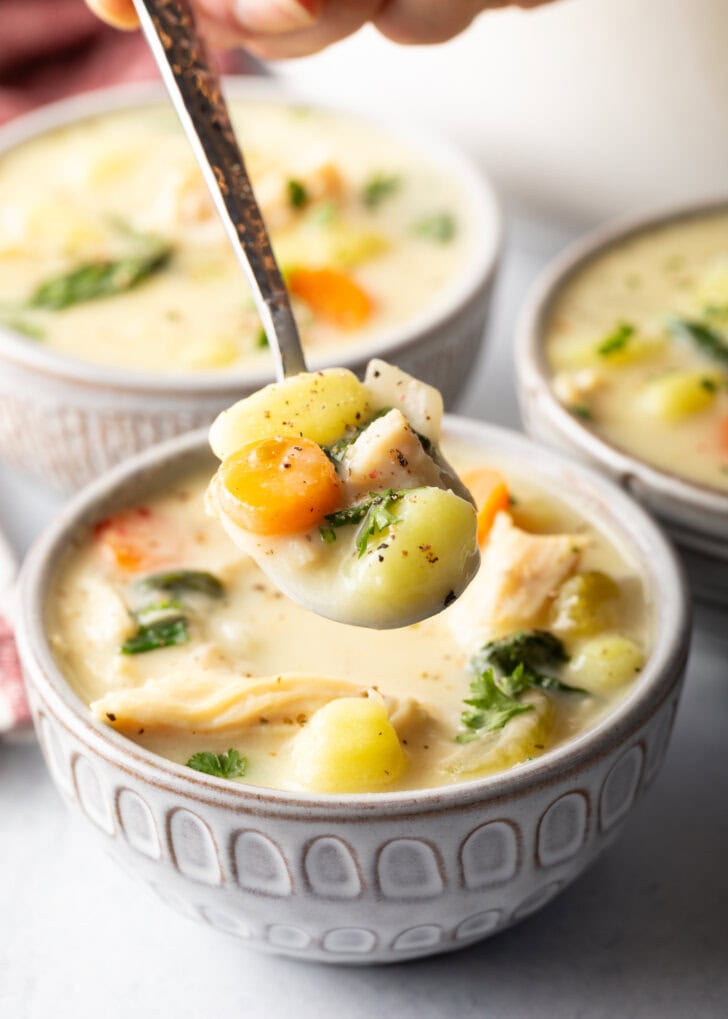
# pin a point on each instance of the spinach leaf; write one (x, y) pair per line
(100, 278)
(709, 340)
(164, 633)
(182, 581)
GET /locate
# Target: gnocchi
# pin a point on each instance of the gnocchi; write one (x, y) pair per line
(338, 490)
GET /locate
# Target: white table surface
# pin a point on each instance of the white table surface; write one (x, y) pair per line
(643, 934)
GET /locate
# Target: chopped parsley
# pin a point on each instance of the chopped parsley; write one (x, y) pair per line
(261, 340)
(164, 633)
(227, 765)
(488, 708)
(297, 194)
(616, 340)
(504, 670)
(440, 227)
(378, 188)
(709, 340)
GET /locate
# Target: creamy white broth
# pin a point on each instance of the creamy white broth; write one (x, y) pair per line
(71, 196)
(646, 398)
(254, 631)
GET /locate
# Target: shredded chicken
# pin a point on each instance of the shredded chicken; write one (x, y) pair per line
(519, 573)
(207, 703)
(388, 454)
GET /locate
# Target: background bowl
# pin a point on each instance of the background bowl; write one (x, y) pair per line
(695, 515)
(67, 420)
(361, 878)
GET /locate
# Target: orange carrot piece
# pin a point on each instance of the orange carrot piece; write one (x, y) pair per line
(723, 435)
(491, 496)
(332, 295)
(134, 541)
(280, 485)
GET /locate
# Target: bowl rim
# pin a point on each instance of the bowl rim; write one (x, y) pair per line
(532, 369)
(609, 507)
(478, 270)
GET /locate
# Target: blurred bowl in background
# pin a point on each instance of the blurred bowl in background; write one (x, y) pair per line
(695, 514)
(66, 420)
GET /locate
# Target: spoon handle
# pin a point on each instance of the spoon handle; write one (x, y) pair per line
(194, 87)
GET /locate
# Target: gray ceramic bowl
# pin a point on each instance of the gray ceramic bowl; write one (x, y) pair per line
(695, 515)
(67, 420)
(361, 878)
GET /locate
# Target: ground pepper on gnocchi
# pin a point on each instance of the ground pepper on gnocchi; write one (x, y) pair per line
(176, 638)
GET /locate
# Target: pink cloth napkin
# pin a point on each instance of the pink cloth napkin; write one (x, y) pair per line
(14, 710)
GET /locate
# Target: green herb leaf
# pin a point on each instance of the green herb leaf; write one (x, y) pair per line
(440, 227)
(581, 410)
(709, 340)
(297, 195)
(379, 187)
(518, 659)
(261, 340)
(530, 651)
(102, 278)
(489, 707)
(617, 339)
(227, 765)
(164, 633)
(375, 514)
(182, 581)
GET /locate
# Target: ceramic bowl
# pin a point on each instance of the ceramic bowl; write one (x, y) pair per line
(695, 515)
(361, 878)
(67, 420)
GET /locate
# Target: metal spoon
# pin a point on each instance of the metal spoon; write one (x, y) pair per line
(194, 87)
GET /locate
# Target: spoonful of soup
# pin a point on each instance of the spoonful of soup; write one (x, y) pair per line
(336, 487)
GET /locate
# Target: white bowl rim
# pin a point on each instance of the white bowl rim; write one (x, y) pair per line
(477, 272)
(635, 528)
(531, 364)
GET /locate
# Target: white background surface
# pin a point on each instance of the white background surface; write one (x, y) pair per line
(642, 935)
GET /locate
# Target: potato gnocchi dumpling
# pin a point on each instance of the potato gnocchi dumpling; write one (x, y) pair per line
(339, 492)
(178, 640)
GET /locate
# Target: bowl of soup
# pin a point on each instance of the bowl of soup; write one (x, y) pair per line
(337, 793)
(622, 358)
(124, 316)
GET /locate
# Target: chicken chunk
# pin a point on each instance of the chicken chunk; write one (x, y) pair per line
(388, 454)
(519, 574)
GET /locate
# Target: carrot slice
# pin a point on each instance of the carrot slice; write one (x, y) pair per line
(332, 295)
(723, 435)
(134, 540)
(280, 485)
(491, 496)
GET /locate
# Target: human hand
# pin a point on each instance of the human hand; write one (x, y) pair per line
(272, 29)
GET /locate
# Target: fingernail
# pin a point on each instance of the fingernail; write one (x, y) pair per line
(276, 16)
